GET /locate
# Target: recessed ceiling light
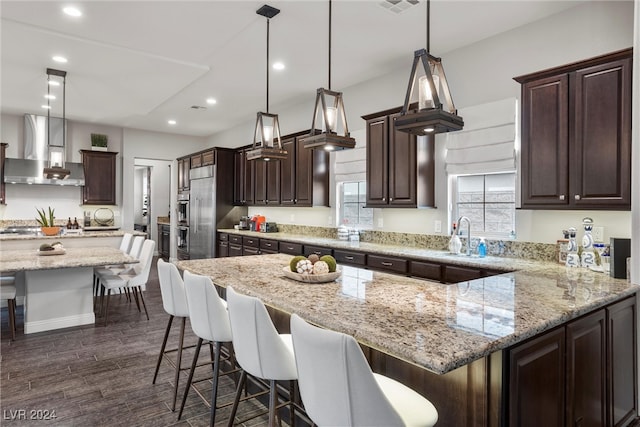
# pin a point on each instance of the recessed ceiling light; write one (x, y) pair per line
(72, 11)
(60, 59)
(171, 122)
(211, 101)
(46, 107)
(278, 66)
(50, 96)
(54, 83)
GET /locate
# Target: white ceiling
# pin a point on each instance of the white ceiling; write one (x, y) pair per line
(139, 63)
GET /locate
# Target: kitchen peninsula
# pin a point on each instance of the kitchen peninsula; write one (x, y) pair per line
(459, 344)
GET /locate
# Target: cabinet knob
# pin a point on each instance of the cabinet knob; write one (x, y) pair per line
(561, 197)
(350, 258)
(577, 197)
(386, 264)
(295, 200)
(391, 199)
(384, 199)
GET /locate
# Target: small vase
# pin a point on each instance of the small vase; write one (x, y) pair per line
(50, 231)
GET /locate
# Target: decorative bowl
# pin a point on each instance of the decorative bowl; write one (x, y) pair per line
(60, 251)
(50, 231)
(311, 278)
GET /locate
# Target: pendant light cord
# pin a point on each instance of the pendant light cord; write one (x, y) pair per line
(428, 24)
(330, 14)
(267, 65)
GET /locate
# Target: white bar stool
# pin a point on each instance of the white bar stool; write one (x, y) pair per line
(8, 292)
(174, 301)
(209, 321)
(260, 350)
(338, 387)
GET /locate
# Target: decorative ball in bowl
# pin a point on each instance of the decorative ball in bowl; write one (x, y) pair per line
(313, 269)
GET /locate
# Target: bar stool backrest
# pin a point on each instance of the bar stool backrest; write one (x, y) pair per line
(174, 298)
(125, 242)
(136, 246)
(207, 311)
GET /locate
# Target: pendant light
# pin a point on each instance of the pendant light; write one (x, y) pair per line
(56, 160)
(267, 144)
(333, 120)
(431, 116)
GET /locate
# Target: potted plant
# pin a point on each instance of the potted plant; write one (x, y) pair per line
(47, 222)
(99, 142)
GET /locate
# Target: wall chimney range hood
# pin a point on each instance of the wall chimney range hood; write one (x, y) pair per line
(41, 133)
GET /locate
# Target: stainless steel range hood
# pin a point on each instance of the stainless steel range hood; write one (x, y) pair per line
(27, 171)
(33, 168)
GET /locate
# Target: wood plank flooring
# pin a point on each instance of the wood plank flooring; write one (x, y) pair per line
(101, 376)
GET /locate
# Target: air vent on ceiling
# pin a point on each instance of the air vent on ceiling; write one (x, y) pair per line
(398, 6)
(198, 107)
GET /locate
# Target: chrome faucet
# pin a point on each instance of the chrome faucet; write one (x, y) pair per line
(464, 218)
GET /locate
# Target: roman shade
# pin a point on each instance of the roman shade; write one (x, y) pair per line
(487, 143)
(351, 165)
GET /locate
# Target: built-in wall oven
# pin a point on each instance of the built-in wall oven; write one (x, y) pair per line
(183, 242)
(183, 209)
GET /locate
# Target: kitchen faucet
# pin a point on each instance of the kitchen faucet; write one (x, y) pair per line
(464, 218)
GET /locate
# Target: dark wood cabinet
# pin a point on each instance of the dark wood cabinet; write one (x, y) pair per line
(205, 158)
(288, 173)
(244, 179)
(268, 246)
(457, 274)
(318, 250)
(184, 166)
(349, 257)
(164, 241)
(426, 270)
(387, 263)
(235, 249)
(290, 248)
(267, 182)
(223, 245)
(99, 177)
(581, 374)
(3, 147)
(622, 361)
(400, 166)
(576, 135)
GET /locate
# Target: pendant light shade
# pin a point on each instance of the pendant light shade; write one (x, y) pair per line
(436, 112)
(267, 144)
(329, 114)
(56, 155)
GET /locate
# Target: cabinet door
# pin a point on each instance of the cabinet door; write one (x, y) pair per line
(288, 173)
(260, 176)
(223, 249)
(454, 274)
(402, 167)
(250, 181)
(235, 250)
(208, 158)
(545, 142)
(601, 151)
(3, 147)
(622, 361)
(166, 242)
(536, 382)
(272, 196)
(386, 263)
(238, 178)
(377, 162)
(305, 172)
(99, 177)
(184, 166)
(196, 160)
(586, 371)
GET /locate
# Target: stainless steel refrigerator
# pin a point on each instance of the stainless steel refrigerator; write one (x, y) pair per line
(211, 204)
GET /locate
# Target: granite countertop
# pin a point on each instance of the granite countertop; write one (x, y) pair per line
(164, 220)
(490, 262)
(23, 260)
(83, 234)
(436, 326)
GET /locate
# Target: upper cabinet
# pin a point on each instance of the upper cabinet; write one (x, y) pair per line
(184, 165)
(99, 177)
(400, 166)
(205, 158)
(300, 180)
(576, 135)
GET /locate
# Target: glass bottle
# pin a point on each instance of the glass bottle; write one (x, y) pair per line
(75, 224)
(69, 225)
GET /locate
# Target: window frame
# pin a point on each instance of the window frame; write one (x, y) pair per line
(361, 205)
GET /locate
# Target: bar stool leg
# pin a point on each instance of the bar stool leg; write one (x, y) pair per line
(178, 363)
(214, 387)
(190, 379)
(273, 401)
(11, 304)
(164, 345)
(234, 408)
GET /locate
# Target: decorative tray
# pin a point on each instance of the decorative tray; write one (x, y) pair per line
(311, 278)
(53, 252)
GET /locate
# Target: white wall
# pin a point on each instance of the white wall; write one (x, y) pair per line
(480, 73)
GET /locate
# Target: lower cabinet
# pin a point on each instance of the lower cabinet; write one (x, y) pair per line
(581, 374)
(388, 264)
(164, 241)
(350, 258)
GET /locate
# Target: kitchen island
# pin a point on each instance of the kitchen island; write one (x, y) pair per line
(59, 288)
(452, 343)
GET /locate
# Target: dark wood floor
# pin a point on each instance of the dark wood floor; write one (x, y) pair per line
(97, 375)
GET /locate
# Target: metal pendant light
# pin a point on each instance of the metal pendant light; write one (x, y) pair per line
(335, 132)
(267, 144)
(56, 155)
(432, 116)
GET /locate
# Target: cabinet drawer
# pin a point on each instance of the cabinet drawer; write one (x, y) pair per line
(269, 245)
(290, 248)
(235, 250)
(426, 270)
(267, 252)
(252, 242)
(397, 265)
(235, 239)
(247, 250)
(318, 250)
(346, 257)
(460, 274)
(223, 237)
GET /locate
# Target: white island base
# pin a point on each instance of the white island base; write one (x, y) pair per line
(59, 298)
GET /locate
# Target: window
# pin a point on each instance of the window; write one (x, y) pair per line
(489, 201)
(352, 211)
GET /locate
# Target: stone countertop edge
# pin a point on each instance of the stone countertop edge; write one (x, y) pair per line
(84, 234)
(534, 299)
(28, 259)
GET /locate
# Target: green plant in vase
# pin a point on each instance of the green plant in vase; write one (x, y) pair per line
(46, 219)
(99, 141)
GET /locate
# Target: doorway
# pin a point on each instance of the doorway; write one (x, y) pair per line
(142, 199)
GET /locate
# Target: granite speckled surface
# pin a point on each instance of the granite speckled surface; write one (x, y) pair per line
(22, 260)
(84, 234)
(439, 327)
